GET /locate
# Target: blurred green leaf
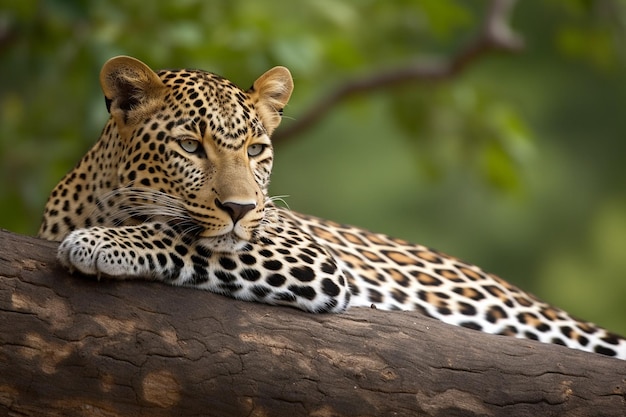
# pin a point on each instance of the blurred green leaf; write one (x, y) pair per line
(595, 46)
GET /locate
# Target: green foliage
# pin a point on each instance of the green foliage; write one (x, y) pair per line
(459, 125)
(515, 164)
(52, 52)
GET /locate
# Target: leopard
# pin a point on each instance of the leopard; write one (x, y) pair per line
(176, 190)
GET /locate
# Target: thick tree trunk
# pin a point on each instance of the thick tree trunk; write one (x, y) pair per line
(72, 346)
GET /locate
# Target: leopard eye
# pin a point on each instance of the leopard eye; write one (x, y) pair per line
(256, 149)
(189, 145)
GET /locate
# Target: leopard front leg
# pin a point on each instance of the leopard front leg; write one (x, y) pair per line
(270, 271)
(118, 252)
(279, 268)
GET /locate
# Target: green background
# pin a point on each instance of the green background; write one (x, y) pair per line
(516, 164)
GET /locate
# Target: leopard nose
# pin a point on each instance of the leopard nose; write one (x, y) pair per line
(235, 210)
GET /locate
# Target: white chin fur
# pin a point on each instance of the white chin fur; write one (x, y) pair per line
(224, 243)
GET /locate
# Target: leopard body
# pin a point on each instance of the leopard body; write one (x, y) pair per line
(176, 190)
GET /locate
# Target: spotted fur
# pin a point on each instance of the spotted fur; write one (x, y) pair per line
(176, 190)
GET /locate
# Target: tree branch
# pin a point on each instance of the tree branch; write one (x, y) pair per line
(72, 346)
(495, 35)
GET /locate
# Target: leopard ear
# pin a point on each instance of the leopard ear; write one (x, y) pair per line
(271, 92)
(129, 87)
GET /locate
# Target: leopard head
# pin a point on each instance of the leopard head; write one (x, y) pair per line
(192, 148)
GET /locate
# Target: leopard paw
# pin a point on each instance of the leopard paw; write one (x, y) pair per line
(92, 252)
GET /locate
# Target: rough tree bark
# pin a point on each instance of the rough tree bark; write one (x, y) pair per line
(72, 346)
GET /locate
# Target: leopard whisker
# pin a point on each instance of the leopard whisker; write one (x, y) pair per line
(133, 202)
(279, 198)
